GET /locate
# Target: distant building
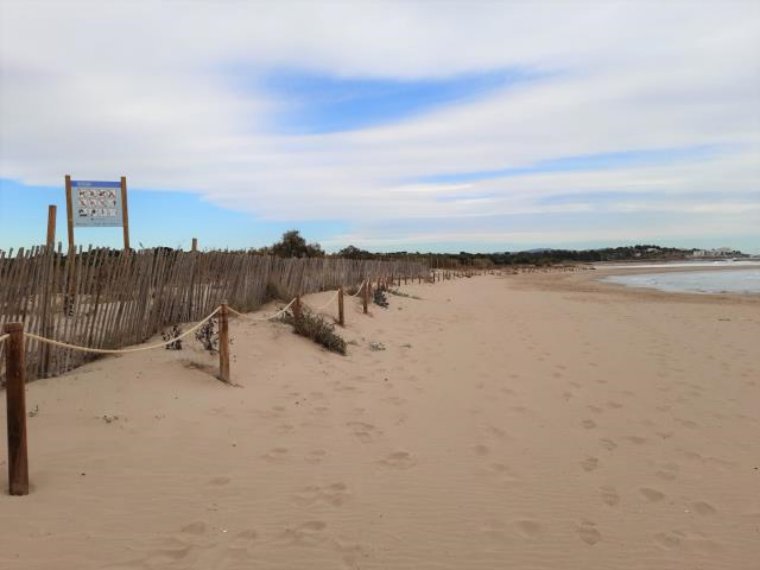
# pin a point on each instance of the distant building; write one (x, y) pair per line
(717, 252)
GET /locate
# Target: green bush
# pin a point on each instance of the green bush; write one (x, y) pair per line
(317, 329)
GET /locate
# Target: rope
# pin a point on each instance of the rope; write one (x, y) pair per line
(323, 307)
(359, 290)
(123, 350)
(277, 314)
(3, 337)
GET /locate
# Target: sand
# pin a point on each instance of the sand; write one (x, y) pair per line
(529, 421)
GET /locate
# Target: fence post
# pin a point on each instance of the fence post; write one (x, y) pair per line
(341, 315)
(51, 226)
(224, 344)
(15, 394)
(297, 307)
(365, 296)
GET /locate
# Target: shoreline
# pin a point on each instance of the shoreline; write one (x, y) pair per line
(591, 282)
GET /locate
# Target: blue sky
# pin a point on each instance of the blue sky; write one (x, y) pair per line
(486, 126)
(313, 103)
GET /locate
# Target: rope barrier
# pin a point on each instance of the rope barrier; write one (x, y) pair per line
(192, 329)
(4, 337)
(323, 307)
(60, 344)
(274, 316)
(359, 290)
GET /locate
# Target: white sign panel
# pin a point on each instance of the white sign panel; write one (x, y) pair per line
(96, 204)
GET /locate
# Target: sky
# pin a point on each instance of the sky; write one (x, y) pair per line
(430, 126)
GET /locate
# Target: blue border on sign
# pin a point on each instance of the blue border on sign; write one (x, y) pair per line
(94, 184)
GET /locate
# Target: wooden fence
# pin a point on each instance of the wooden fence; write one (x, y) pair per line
(102, 298)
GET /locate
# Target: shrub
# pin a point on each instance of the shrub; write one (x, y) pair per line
(380, 299)
(208, 336)
(170, 334)
(317, 329)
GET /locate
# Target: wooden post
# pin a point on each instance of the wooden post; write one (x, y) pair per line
(341, 314)
(51, 226)
(69, 214)
(297, 312)
(15, 395)
(365, 297)
(195, 245)
(224, 344)
(125, 213)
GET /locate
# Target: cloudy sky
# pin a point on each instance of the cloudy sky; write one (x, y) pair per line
(388, 125)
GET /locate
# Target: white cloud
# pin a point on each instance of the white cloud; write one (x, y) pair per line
(101, 89)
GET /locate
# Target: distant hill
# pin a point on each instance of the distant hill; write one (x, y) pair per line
(549, 256)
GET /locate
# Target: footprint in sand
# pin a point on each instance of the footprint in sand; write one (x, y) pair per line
(590, 464)
(284, 428)
(316, 456)
(481, 450)
(504, 474)
(528, 528)
(352, 554)
(334, 495)
(608, 444)
(395, 400)
(588, 533)
(668, 540)
(588, 424)
(276, 455)
(652, 495)
(196, 528)
(365, 432)
(637, 439)
(609, 495)
(668, 471)
(496, 432)
(703, 508)
(399, 460)
(310, 533)
(242, 544)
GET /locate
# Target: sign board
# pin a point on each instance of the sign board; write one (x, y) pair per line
(97, 204)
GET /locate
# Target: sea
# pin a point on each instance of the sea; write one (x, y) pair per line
(740, 277)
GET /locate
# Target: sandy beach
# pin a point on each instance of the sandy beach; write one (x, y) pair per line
(537, 421)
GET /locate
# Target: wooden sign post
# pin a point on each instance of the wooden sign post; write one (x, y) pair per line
(69, 214)
(125, 213)
(51, 227)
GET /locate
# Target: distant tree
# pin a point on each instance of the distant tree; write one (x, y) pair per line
(293, 245)
(353, 252)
